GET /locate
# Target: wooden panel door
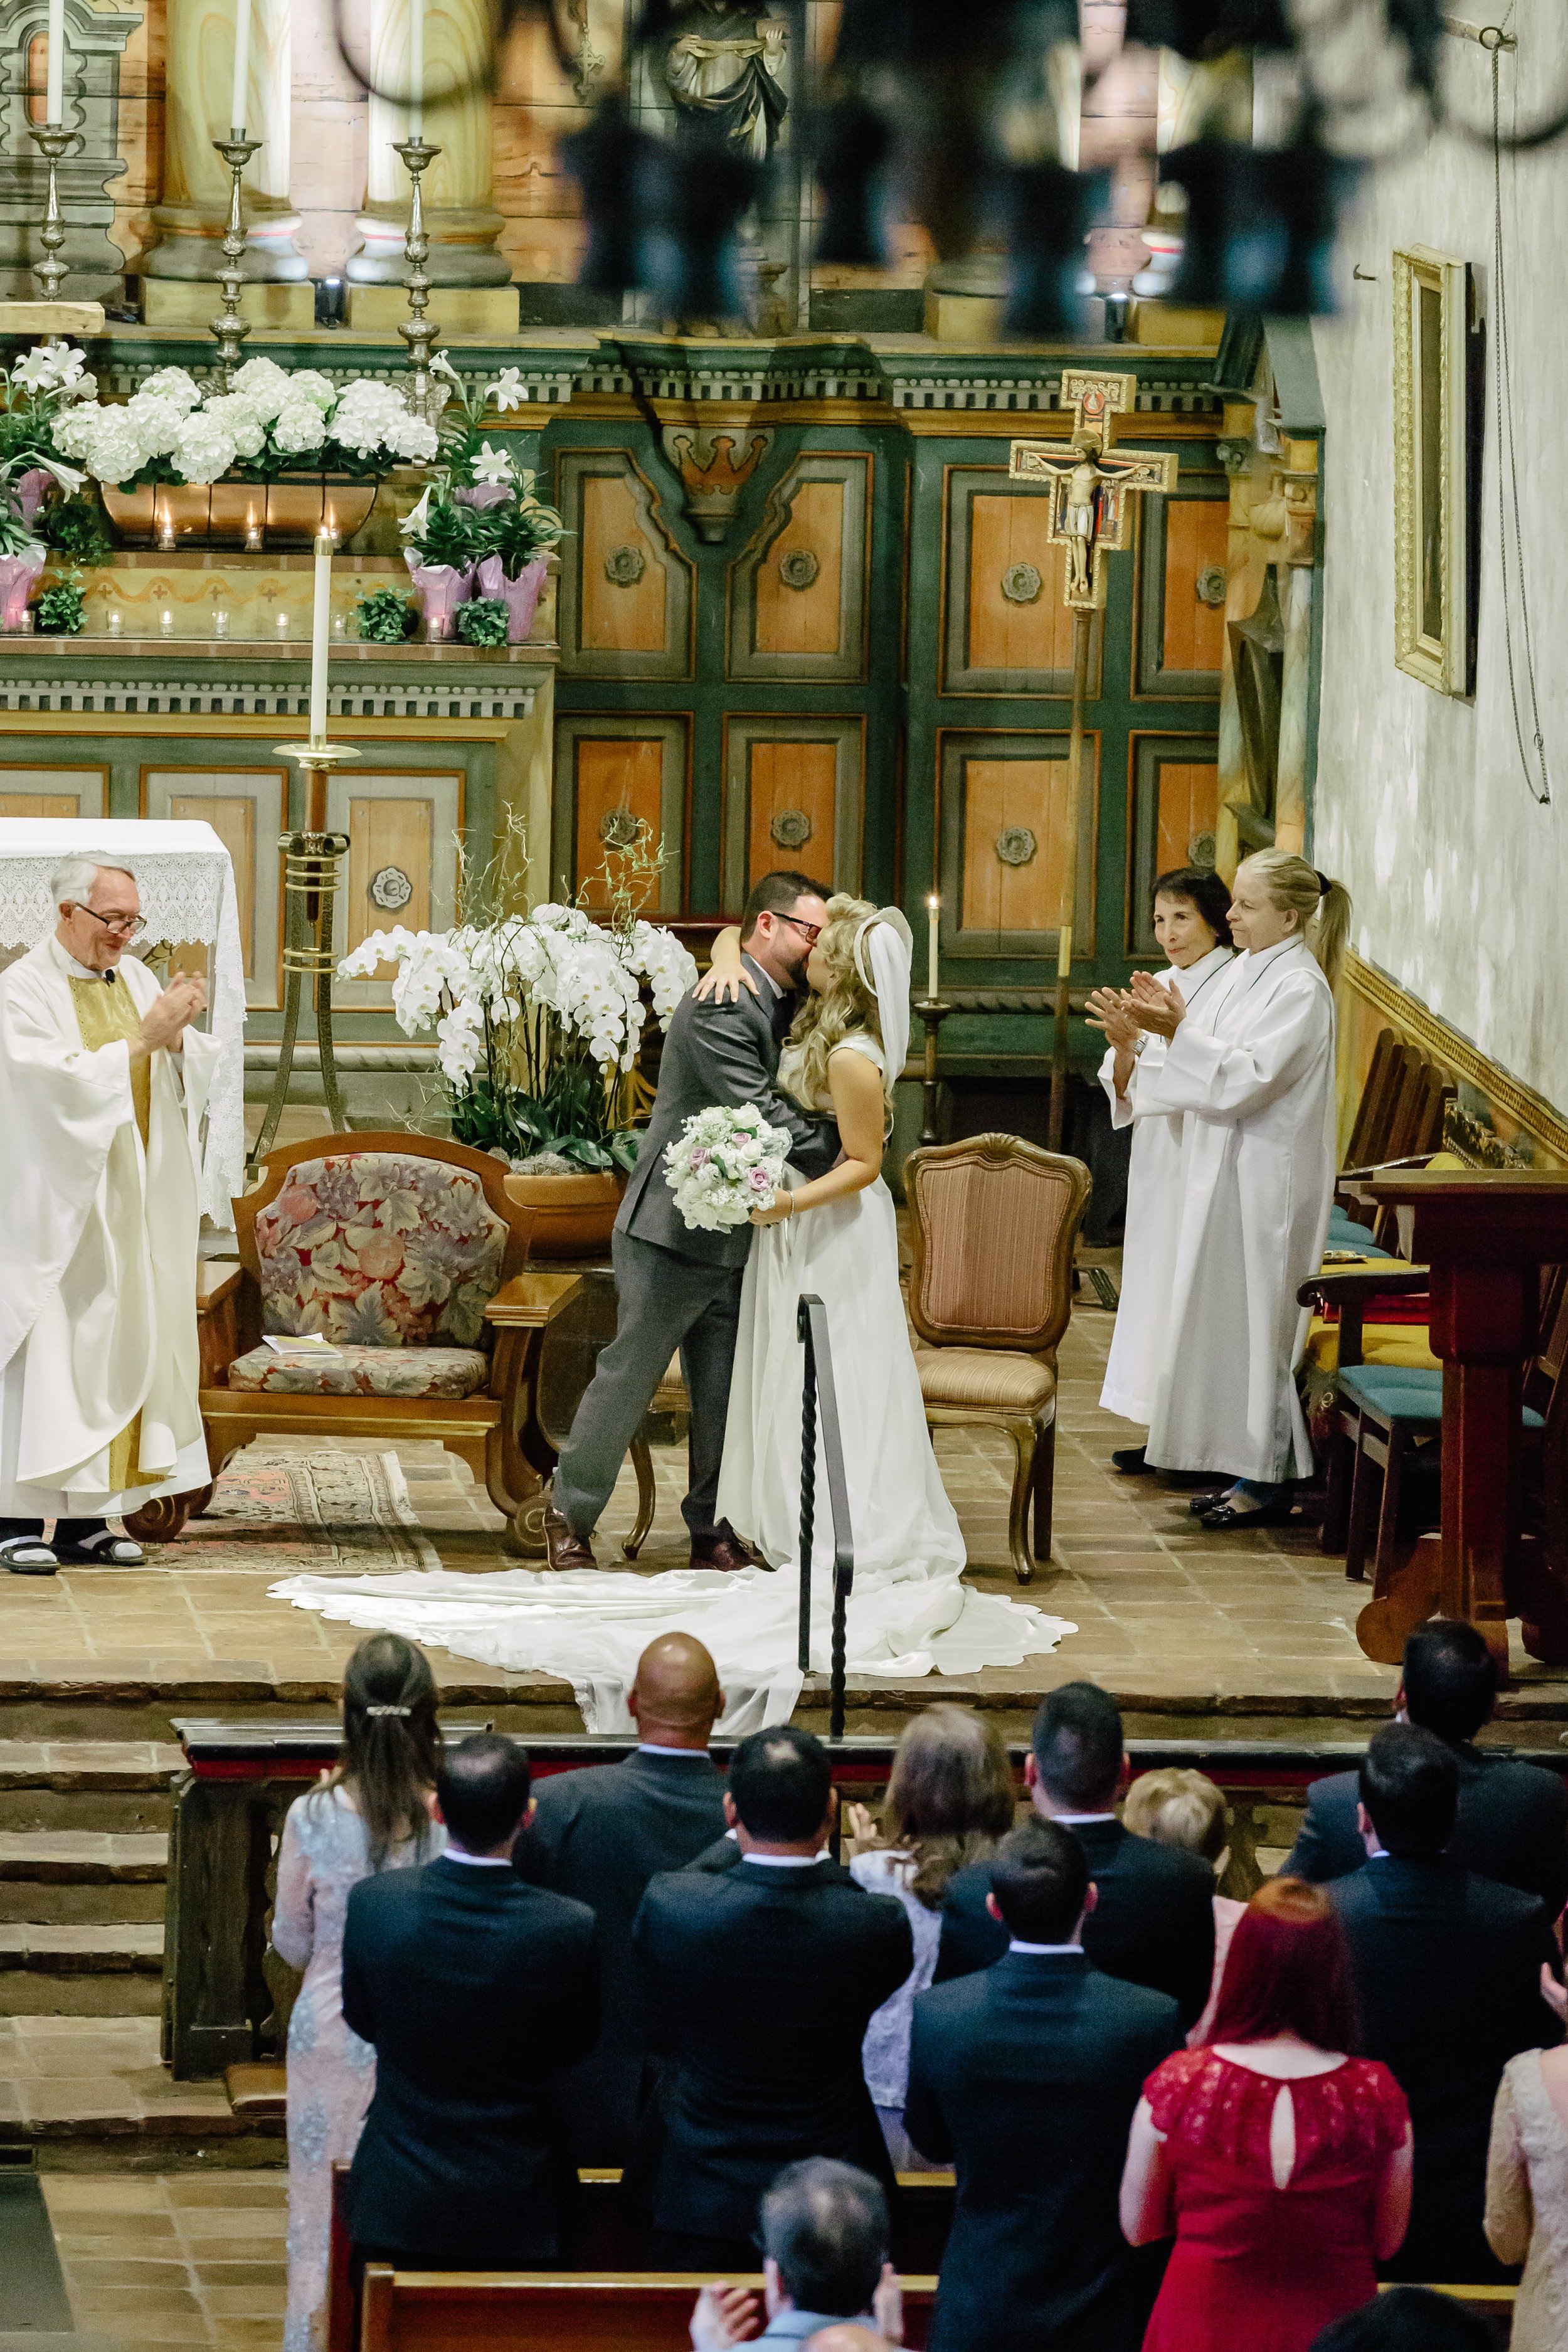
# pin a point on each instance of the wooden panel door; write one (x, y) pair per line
(246, 809)
(793, 794)
(620, 784)
(624, 608)
(797, 594)
(402, 865)
(1174, 806)
(1183, 542)
(1003, 843)
(53, 793)
(1005, 628)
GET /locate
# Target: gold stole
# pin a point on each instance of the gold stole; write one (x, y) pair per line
(102, 1014)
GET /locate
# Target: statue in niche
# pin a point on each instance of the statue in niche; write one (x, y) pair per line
(725, 75)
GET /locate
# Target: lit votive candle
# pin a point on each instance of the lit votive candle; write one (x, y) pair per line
(166, 622)
(282, 624)
(114, 624)
(220, 621)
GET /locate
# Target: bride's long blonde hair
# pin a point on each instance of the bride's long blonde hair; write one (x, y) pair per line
(825, 1021)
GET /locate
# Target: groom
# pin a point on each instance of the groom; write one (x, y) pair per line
(680, 1287)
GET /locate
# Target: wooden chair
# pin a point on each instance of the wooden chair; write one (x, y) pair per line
(992, 1223)
(608, 2311)
(406, 1251)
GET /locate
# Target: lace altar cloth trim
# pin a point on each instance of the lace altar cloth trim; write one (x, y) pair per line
(186, 881)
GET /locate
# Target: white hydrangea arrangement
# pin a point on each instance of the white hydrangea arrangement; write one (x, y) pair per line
(270, 419)
(723, 1164)
(537, 1022)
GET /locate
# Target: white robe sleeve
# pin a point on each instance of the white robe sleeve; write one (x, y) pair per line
(1139, 1101)
(1222, 1077)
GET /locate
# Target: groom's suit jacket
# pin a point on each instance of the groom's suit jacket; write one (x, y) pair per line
(726, 1055)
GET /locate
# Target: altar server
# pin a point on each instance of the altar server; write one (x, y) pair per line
(1191, 924)
(1254, 1086)
(102, 1086)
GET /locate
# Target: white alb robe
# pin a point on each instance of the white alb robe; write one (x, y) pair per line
(98, 1252)
(1154, 1193)
(1255, 1085)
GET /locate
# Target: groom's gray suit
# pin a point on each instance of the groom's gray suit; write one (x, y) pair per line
(677, 1287)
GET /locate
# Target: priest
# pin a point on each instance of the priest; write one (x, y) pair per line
(103, 1081)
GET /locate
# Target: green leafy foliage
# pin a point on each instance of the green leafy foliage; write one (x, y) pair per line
(449, 534)
(59, 610)
(17, 538)
(484, 622)
(519, 531)
(385, 618)
(74, 527)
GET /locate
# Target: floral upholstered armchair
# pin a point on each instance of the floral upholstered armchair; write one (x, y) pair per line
(402, 1253)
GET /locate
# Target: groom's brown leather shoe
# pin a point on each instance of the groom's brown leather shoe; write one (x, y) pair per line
(724, 1549)
(564, 1549)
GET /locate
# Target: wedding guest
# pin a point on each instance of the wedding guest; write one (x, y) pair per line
(477, 1992)
(1409, 2319)
(1153, 1922)
(825, 2263)
(599, 1835)
(950, 1798)
(1025, 2074)
(1281, 2163)
(759, 1983)
(1527, 2193)
(1186, 1810)
(1253, 1082)
(1512, 1819)
(1191, 925)
(370, 1813)
(1448, 1972)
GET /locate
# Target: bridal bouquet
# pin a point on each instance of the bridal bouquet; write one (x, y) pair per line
(725, 1164)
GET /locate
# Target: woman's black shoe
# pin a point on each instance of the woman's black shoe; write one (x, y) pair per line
(1226, 1515)
(1216, 1495)
(1130, 1462)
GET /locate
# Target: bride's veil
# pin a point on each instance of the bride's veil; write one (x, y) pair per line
(884, 948)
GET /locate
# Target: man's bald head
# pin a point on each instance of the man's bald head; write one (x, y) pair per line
(675, 1698)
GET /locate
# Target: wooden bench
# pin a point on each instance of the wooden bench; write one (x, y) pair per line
(605, 2310)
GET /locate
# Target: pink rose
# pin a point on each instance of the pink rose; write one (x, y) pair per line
(759, 1180)
(701, 1156)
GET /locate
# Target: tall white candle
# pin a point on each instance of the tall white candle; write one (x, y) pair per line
(417, 69)
(55, 106)
(933, 913)
(239, 96)
(321, 636)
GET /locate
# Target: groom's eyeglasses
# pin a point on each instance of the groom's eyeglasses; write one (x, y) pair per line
(813, 930)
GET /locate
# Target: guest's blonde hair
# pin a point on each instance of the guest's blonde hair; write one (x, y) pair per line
(1323, 904)
(845, 1004)
(1178, 1808)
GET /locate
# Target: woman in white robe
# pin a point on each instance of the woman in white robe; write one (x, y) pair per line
(1255, 1088)
(1192, 926)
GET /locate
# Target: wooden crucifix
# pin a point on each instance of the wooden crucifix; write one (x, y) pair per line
(1092, 488)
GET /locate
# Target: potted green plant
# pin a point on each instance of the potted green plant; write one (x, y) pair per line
(441, 548)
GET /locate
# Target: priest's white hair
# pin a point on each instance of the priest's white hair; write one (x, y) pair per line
(73, 877)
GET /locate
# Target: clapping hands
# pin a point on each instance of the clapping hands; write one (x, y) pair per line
(1153, 1006)
(1110, 1011)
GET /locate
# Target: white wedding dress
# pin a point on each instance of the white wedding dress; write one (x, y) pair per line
(910, 1613)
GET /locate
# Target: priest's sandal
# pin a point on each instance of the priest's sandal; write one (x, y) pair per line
(87, 1543)
(27, 1556)
(1209, 1502)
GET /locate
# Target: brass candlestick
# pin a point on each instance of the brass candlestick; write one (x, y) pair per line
(417, 331)
(229, 328)
(931, 1013)
(52, 143)
(311, 861)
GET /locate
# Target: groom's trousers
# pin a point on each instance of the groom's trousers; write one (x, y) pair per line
(662, 1302)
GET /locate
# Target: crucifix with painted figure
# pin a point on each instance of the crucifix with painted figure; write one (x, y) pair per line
(1092, 488)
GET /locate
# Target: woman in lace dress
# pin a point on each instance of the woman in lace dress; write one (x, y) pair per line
(372, 1813)
(1527, 2193)
(1281, 2164)
(949, 1800)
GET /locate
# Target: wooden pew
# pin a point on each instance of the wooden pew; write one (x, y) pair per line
(609, 2311)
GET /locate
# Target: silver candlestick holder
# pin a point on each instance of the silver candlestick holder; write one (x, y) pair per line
(52, 143)
(417, 331)
(229, 328)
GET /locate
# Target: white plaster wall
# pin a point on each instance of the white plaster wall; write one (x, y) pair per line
(1460, 880)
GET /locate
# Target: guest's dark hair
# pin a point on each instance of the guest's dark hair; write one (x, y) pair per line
(1039, 1877)
(1078, 1747)
(483, 1790)
(1410, 1787)
(392, 1743)
(778, 894)
(1202, 888)
(1288, 1972)
(780, 1779)
(1408, 2319)
(826, 2225)
(950, 1796)
(1450, 1678)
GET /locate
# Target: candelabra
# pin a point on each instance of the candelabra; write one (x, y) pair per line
(52, 143)
(310, 862)
(229, 328)
(417, 331)
(932, 1016)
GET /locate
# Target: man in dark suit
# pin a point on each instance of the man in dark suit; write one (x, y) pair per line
(1025, 2074)
(1154, 1921)
(599, 1835)
(1447, 1972)
(674, 1287)
(1512, 1820)
(476, 1992)
(760, 1981)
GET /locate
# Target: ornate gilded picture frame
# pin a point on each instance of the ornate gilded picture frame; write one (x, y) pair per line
(1433, 601)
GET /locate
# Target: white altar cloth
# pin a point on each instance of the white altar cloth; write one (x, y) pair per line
(186, 881)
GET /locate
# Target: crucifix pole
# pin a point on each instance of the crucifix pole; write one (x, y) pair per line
(1082, 622)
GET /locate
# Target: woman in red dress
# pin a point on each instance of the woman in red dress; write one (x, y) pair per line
(1280, 2163)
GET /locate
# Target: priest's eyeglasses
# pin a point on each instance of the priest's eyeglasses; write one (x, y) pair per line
(130, 926)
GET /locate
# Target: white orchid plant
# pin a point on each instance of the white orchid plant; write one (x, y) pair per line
(537, 1020)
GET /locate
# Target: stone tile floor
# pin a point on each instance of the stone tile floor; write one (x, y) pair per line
(173, 2259)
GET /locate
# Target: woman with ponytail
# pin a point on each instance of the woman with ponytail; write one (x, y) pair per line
(1254, 1084)
(372, 1813)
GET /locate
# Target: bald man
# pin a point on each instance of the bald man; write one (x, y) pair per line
(600, 1834)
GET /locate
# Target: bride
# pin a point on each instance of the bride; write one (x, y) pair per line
(837, 1237)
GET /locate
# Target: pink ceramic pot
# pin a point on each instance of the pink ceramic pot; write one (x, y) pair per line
(28, 489)
(521, 596)
(17, 573)
(482, 494)
(441, 591)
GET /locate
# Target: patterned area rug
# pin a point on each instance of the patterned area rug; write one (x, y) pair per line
(282, 1512)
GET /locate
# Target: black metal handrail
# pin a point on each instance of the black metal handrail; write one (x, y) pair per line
(819, 1400)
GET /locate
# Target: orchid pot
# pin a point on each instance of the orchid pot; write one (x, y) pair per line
(28, 490)
(482, 494)
(521, 596)
(440, 589)
(17, 573)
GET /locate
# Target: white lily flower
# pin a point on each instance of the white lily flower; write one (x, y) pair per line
(508, 390)
(492, 464)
